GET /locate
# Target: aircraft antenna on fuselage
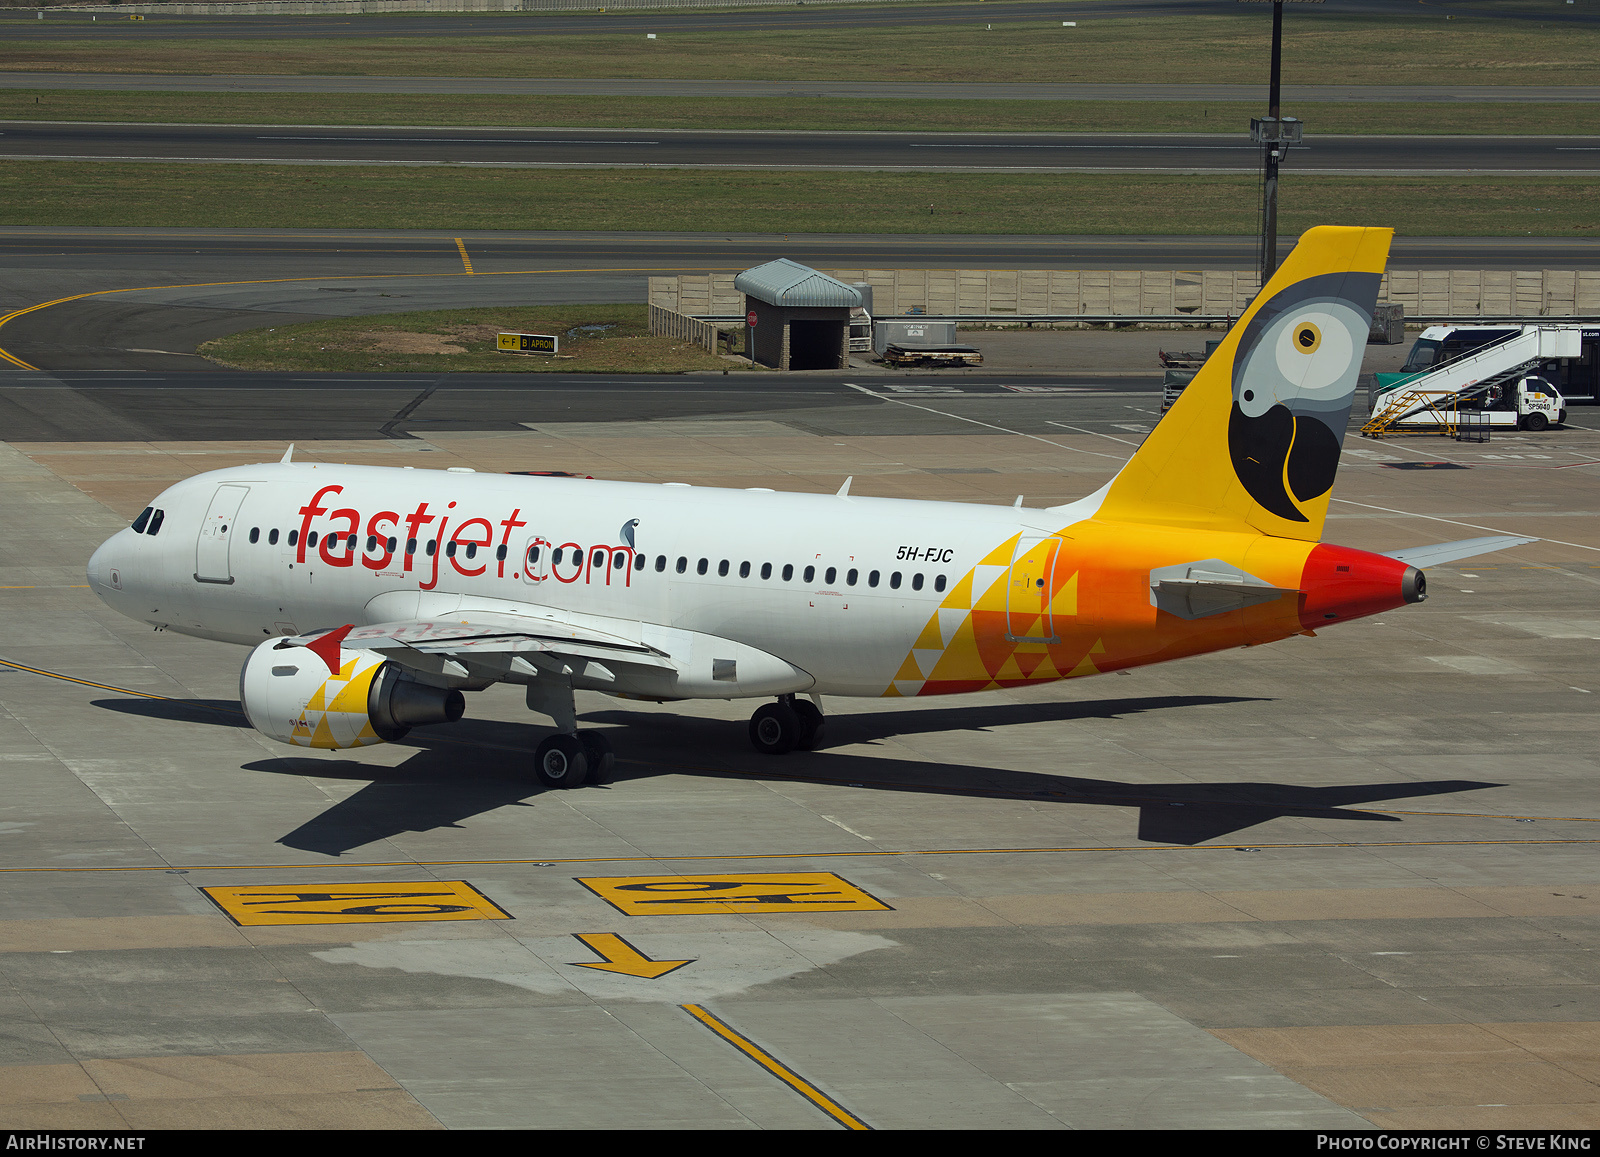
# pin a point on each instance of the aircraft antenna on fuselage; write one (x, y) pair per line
(288, 455)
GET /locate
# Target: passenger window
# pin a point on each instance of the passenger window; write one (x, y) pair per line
(450, 549)
(938, 583)
(810, 573)
(597, 558)
(766, 570)
(294, 537)
(850, 577)
(872, 579)
(472, 550)
(618, 561)
(683, 564)
(311, 539)
(744, 570)
(916, 582)
(372, 543)
(722, 568)
(350, 544)
(144, 517)
(661, 563)
(639, 560)
(555, 559)
(255, 534)
(500, 553)
(156, 520)
(272, 537)
(393, 542)
(894, 581)
(829, 575)
(788, 571)
(701, 568)
(411, 543)
(433, 545)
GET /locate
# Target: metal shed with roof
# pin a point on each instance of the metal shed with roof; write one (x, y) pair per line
(802, 315)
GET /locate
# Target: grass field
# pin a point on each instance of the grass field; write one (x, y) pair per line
(463, 341)
(1411, 47)
(448, 198)
(774, 113)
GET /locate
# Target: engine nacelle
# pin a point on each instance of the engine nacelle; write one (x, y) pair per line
(289, 695)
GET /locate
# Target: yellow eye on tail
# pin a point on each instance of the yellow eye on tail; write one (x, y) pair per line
(1307, 337)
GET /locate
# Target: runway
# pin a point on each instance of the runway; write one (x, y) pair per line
(874, 151)
(819, 87)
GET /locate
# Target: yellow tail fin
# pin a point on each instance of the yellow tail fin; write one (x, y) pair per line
(1253, 442)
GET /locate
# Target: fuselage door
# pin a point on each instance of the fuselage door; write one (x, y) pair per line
(536, 561)
(1029, 587)
(211, 548)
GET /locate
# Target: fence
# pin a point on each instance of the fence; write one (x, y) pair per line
(670, 323)
(969, 292)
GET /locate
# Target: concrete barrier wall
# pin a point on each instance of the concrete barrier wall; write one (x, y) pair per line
(336, 7)
(1424, 293)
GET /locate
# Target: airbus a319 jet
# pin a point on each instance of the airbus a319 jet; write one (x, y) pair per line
(375, 597)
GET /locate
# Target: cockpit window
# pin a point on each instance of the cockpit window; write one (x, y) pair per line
(156, 520)
(139, 523)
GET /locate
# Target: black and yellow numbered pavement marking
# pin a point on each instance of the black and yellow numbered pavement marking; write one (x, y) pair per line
(776, 1067)
(738, 893)
(261, 904)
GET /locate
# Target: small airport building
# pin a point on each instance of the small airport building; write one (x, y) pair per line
(802, 316)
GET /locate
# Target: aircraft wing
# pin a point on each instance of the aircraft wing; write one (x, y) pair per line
(429, 644)
(1438, 553)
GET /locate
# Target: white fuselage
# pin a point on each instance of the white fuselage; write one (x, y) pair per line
(223, 566)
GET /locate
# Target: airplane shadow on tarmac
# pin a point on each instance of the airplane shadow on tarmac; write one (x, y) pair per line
(477, 765)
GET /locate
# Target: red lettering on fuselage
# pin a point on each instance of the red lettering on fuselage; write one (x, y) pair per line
(382, 545)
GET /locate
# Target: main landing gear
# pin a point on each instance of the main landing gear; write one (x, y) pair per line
(790, 724)
(571, 757)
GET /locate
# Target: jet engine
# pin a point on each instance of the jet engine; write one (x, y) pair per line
(289, 694)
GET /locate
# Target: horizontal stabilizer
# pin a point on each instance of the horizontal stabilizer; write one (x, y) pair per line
(1439, 553)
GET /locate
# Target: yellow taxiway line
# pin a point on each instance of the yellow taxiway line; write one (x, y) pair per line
(776, 1067)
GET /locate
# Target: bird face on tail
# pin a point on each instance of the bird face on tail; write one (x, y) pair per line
(1294, 377)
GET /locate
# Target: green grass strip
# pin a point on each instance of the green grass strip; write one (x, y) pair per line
(446, 198)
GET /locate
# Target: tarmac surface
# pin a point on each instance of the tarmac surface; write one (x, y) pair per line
(870, 151)
(1329, 883)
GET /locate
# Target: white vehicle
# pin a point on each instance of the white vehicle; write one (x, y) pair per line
(375, 599)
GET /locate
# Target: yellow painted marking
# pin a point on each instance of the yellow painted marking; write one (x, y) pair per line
(262, 904)
(746, 892)
(776, 1067)
(617, 955)
(461, 246)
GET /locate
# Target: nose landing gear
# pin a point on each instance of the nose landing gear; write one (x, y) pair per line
(790, 724)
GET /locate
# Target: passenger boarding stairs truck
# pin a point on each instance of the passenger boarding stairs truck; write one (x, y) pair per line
(1495, 383)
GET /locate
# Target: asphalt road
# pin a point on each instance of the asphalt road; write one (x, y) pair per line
(792, 89)
(601, 148)
(77, 25)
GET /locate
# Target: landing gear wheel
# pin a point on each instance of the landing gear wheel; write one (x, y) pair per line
(561, 761)
(811, 725)
(774, 729)
(601, 760)
(1536, 422)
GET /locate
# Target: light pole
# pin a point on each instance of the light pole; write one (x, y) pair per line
(1274, 133)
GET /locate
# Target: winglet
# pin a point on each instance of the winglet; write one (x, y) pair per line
(327, 646)
(288, 455)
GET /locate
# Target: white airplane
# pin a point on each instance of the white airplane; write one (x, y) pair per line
(374, 597)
